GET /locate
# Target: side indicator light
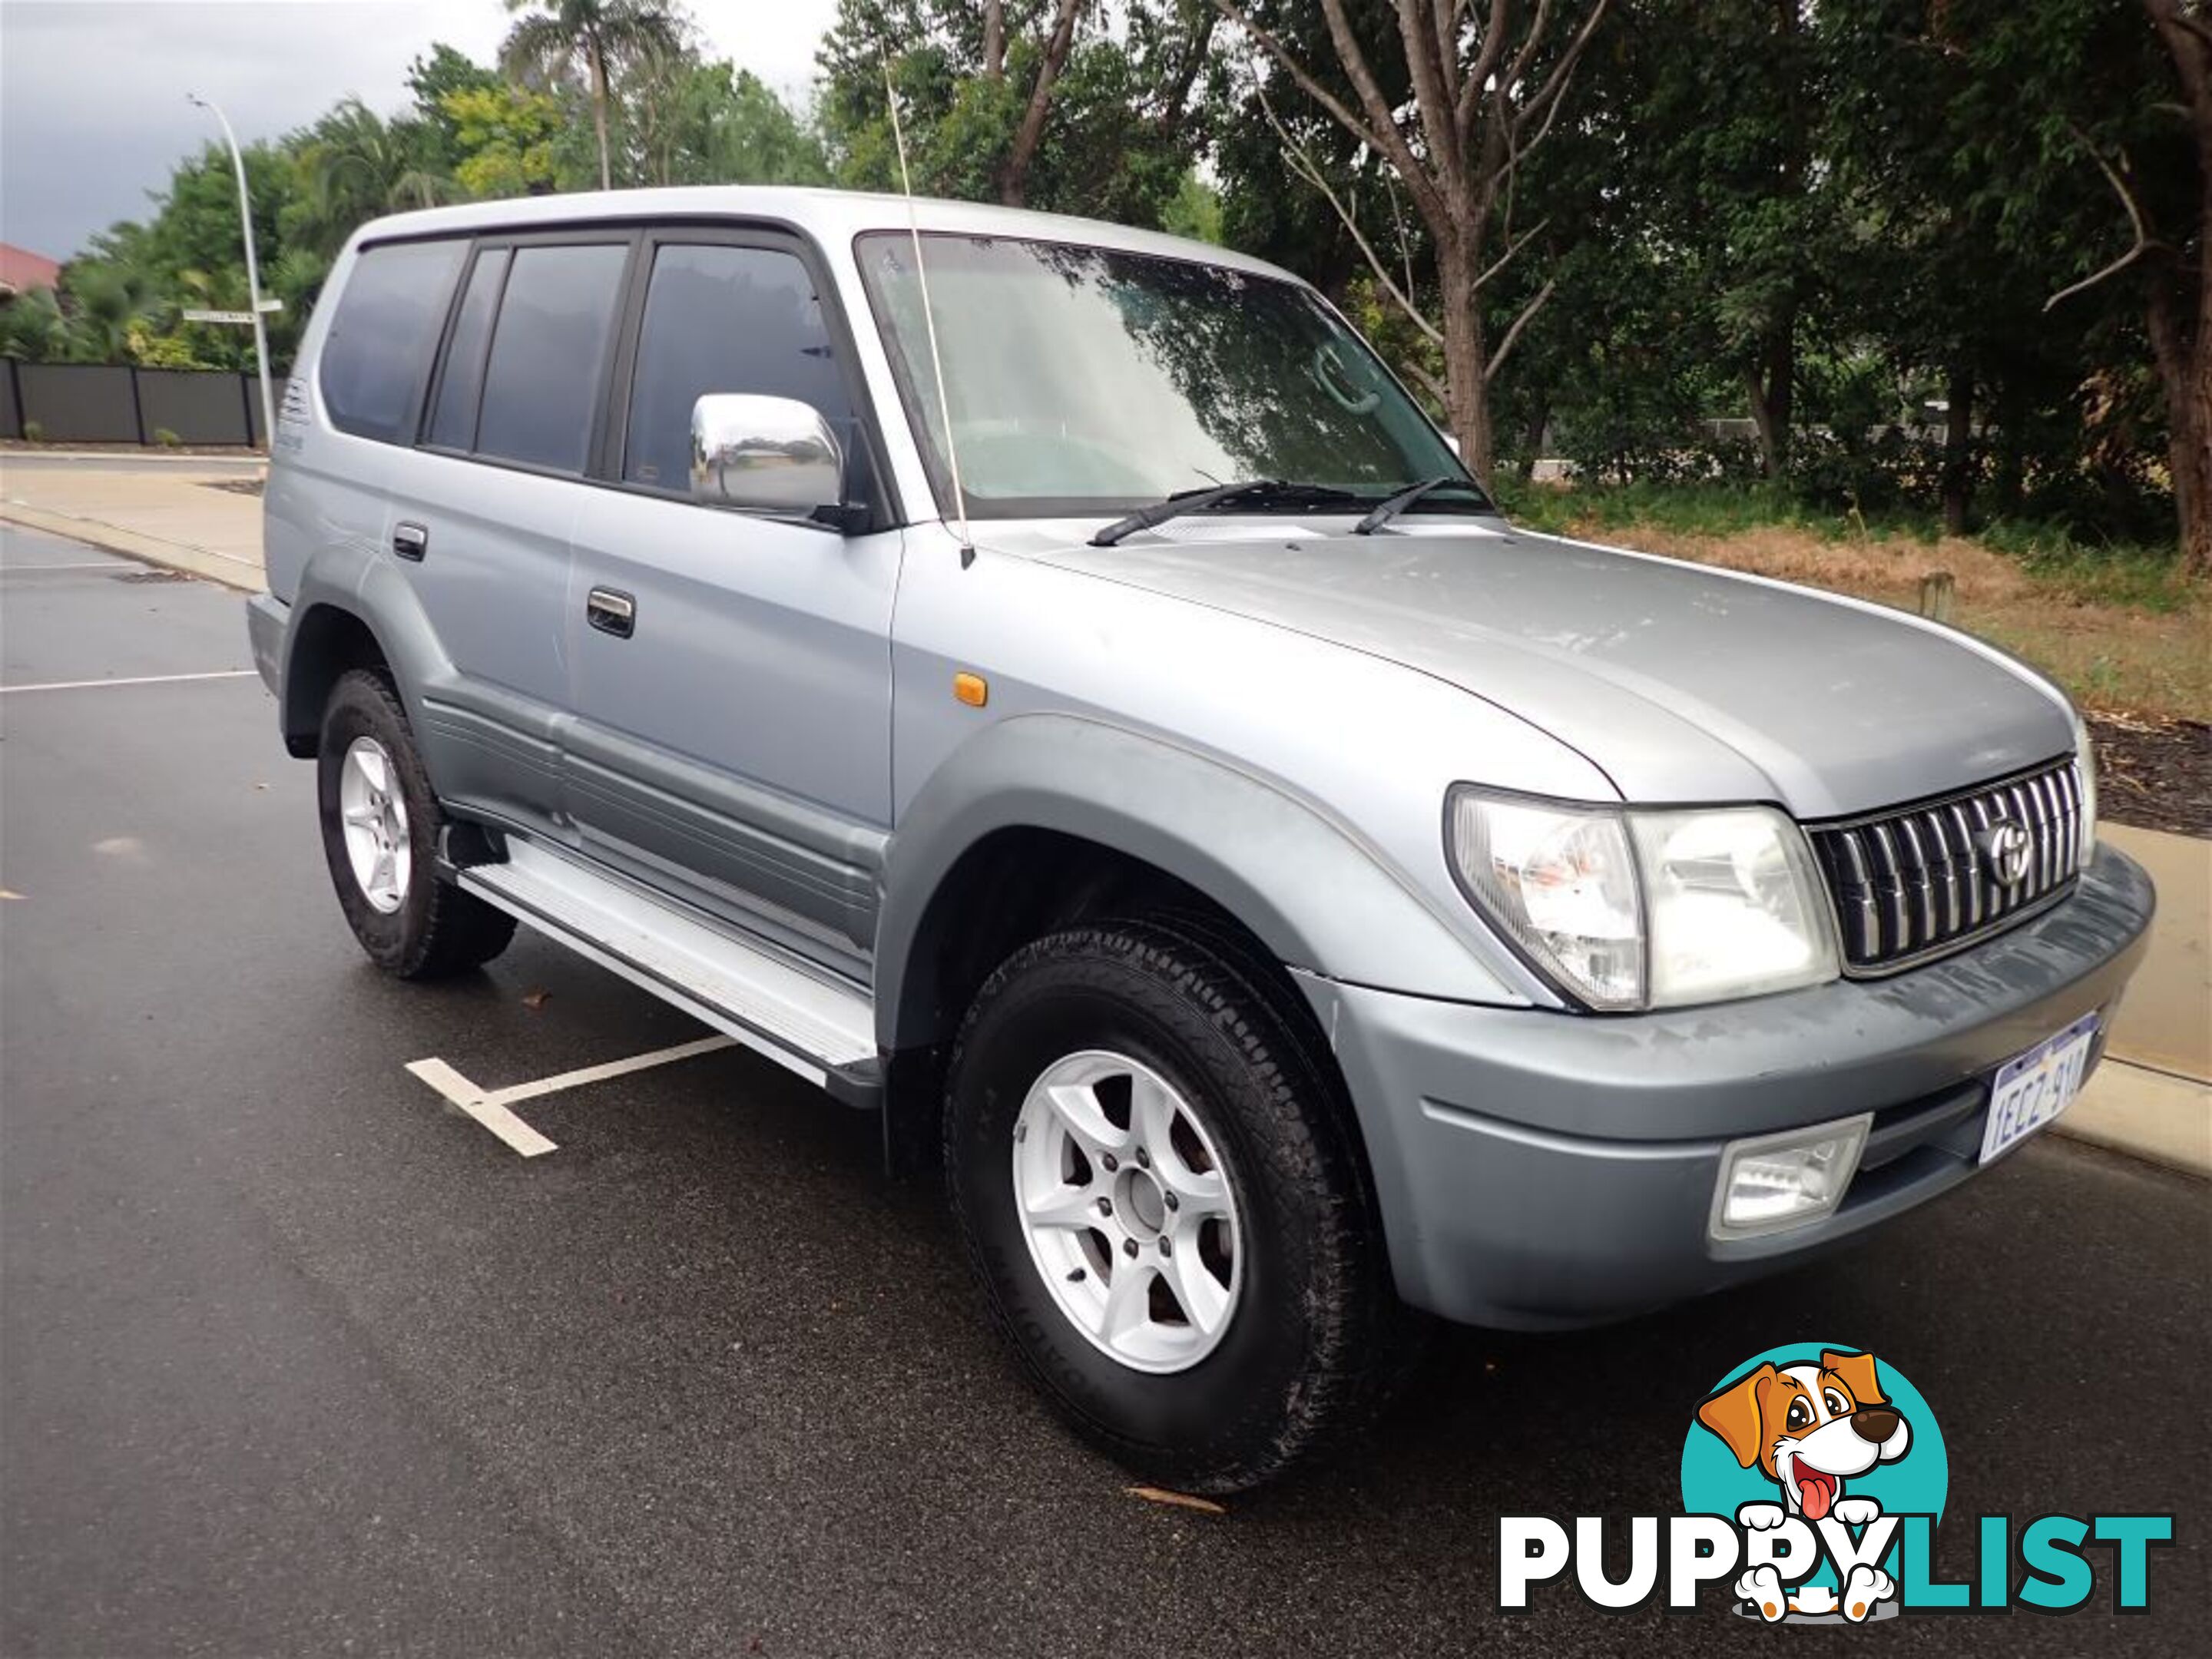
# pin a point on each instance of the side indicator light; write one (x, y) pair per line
(971, 688)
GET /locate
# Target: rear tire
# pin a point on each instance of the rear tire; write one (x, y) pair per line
(381, 825)
(1062, 1175)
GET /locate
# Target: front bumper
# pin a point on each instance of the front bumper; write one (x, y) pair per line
(1539, 1168)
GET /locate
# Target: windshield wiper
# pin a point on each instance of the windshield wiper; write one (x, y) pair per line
(1262, 493)
(1390, 507)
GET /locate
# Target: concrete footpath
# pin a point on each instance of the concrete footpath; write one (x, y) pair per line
(2152, 1097)
(185, 512)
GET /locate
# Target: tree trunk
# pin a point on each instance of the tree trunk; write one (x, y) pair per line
(1014, 177)
(1768, 384)
(2181, 322)
(599, 113)
(2184, 369)
(1958, 451)
(2191, 450)
(1540, 423)
(1467, 358)
(2012, 447)
(995, 39)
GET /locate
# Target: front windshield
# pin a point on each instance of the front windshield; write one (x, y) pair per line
(1086, 381)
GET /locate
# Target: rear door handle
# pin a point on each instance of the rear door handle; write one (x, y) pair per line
(410, 541)
(612, 612)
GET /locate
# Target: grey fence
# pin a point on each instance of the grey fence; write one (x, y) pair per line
(97, 403)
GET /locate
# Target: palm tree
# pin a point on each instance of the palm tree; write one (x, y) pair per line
(553, 39)
(357, 166)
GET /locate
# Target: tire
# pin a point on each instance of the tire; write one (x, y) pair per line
(1313, 1334)
(411, 924)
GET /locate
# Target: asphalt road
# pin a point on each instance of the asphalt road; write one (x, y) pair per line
(296, 1359)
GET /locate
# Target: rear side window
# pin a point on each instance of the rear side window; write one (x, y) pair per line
(383, 335)
(541, 385)
(723, 318)
(453, 419)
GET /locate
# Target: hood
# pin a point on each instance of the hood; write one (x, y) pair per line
(1680, 682)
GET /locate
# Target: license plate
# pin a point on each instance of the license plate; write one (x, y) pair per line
(2034, 1088)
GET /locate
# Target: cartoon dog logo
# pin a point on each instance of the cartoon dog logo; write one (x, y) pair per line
(1811, 1428)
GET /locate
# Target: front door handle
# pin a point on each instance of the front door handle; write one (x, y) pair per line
(612, 612)
(410, 541)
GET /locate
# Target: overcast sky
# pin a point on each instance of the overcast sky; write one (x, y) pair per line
(91, 92)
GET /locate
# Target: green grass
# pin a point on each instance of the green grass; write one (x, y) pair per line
(2144, 578)
(1699, 509)
(2148, 578)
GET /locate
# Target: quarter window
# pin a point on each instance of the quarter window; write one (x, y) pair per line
(383, 335)
(725, 318)
(548, 354)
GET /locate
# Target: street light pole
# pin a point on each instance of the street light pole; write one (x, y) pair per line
(252, 268)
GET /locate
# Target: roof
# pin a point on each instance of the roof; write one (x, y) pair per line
(21, 270)
(831, 216)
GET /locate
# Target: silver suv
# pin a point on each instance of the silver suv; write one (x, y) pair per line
(1050, 684)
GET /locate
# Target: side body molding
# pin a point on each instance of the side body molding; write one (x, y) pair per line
(1313, 893)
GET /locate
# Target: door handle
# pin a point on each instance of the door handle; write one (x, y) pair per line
(612, 612)
(410, 541)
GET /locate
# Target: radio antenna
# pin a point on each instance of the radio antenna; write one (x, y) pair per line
(928, 317)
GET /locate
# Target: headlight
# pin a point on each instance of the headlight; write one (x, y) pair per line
(1562, 883)
(1628, 909)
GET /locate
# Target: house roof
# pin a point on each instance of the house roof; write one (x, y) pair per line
(21, 270)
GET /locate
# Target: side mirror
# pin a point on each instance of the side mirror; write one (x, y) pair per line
(768, 454)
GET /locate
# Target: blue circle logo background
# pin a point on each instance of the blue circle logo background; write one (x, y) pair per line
(1916, 1483)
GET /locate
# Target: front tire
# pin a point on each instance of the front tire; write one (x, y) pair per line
(381, 824)
(1162, 1195)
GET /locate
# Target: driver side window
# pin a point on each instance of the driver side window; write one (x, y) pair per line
(722, 318)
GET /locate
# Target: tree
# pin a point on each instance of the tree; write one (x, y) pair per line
(435, 76)
(1027, 102)
(1479, 98)
(552, 40)
(2097, 177)
(503, 140)
(356, 165)
(2179, 298)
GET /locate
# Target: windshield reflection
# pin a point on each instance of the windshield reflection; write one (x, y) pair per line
(1085, 379)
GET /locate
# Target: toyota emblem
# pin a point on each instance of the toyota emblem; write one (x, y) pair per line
(2005, 846)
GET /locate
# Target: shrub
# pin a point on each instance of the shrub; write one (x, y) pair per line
(166, 439)
(34, 432)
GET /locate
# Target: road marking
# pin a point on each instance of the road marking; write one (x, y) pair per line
(137, 679)
(519, 1136)
(490, 1107)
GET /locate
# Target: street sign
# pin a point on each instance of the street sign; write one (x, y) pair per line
(194, 314)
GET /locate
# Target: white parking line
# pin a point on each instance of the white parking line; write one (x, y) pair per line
(519, 1136)
(137, 679)
(489, 1106)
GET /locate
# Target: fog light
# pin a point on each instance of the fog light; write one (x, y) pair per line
(1787, 1180)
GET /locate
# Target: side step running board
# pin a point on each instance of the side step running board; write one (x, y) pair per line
(824, 1032)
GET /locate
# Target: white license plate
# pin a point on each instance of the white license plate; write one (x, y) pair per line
(2034, 1088)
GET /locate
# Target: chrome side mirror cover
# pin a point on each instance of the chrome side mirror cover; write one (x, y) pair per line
(764, 454)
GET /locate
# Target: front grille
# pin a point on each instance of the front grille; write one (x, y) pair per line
(1919, 881)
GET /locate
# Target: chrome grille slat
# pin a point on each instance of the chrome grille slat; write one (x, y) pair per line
(1889, 886)
(1966, 868)
(1919, 881)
